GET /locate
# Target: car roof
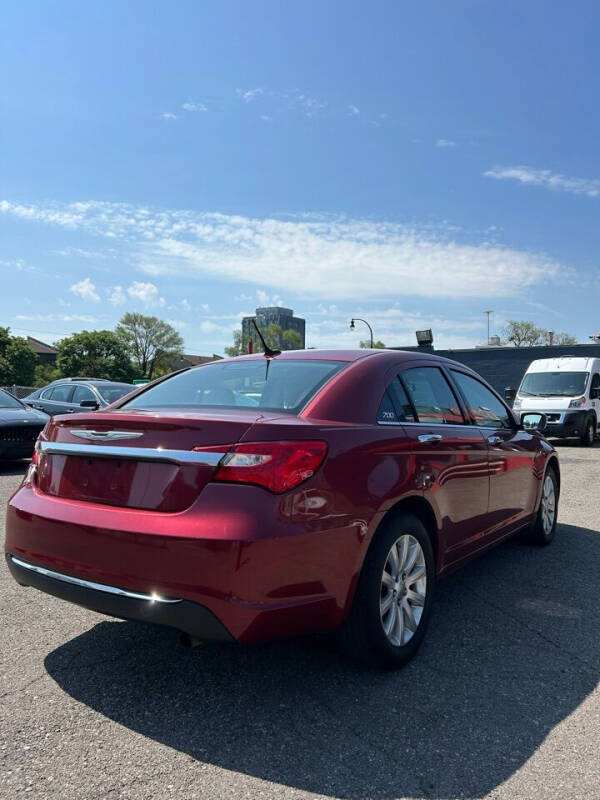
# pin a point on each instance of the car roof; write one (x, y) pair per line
(334, 355)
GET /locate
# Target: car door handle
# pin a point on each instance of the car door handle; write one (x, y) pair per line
(494, 439)
(430, 438)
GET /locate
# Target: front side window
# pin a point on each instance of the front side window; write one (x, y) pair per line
(554, 384)
(113, 393)
(82, 393)
(285, 385)
(487, 410)
(432, 396)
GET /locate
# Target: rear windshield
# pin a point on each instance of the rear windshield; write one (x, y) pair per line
(113, 393)
(554, 384)
(268, 384)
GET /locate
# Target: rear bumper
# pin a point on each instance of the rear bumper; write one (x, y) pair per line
(191, 618)
(261, 566)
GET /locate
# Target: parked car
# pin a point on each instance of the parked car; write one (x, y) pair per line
(20, 426)
(68, 395)
(567, 391)
(335, 503)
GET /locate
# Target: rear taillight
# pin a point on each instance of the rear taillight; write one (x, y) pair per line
(276, 466)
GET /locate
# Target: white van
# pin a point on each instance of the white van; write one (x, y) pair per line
(567, 391)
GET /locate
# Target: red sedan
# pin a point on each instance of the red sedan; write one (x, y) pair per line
(256, 497)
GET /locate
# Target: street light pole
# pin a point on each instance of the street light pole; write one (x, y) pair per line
(358, 319)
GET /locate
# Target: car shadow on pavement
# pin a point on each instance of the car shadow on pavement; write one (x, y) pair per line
(513, 649)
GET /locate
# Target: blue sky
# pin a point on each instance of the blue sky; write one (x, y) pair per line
(413, 163)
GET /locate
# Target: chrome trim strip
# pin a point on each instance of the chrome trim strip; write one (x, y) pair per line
(104, 436)
(135, 453)
(99, 587)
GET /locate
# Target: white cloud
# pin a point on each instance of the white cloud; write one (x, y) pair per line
(146, 293)
(349, 259)
(445, 143)
(353, 110)
(168, 115)
(117, 296)
(266, 118)
(86, 290)
(266, 299)
(57, 317)
(194, 107)
(205, 307)
(248, 95)
(549, 180)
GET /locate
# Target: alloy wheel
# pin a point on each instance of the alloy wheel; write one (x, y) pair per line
(403, 590)
(548, 504)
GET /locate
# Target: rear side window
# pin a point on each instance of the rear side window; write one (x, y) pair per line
(285, 385)
(487, 410)
(395, 405)
(59, 393)
(432, 396)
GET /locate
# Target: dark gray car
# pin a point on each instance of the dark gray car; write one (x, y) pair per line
(70, 395)
(19, 427)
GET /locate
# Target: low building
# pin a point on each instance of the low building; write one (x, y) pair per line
(284, 317)
(188, 360)
(46, 354)
(504, 367)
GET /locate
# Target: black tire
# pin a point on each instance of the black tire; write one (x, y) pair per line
(589, 433)
(538, 534)
(362, 636)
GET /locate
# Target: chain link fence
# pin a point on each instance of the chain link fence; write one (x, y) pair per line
(18, 391)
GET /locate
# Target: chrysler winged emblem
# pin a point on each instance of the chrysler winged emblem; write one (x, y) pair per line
(105, 436)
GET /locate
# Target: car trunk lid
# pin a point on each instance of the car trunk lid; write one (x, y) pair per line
(136, 460)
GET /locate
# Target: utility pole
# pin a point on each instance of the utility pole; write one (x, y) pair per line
(488, 312)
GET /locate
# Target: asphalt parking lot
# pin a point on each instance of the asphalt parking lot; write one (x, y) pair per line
(502, 702)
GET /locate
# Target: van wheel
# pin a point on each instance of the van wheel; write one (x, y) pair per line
(589, 434)
(393, 599)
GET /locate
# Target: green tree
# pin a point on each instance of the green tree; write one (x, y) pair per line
(97, 354)
(274, 335)
(239, 346)
(366, 343)
(526, 334)
(153, 345)
(46, 373)
(554, 338)
(17, 360)
(522, 333)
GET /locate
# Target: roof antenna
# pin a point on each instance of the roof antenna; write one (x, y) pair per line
(269, 352)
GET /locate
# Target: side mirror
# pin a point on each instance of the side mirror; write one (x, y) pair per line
(509, 394)
(93, 404)
(595, 393)
(533, 422)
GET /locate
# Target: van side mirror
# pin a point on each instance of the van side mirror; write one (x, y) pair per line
(595, 393)
(533, 421)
